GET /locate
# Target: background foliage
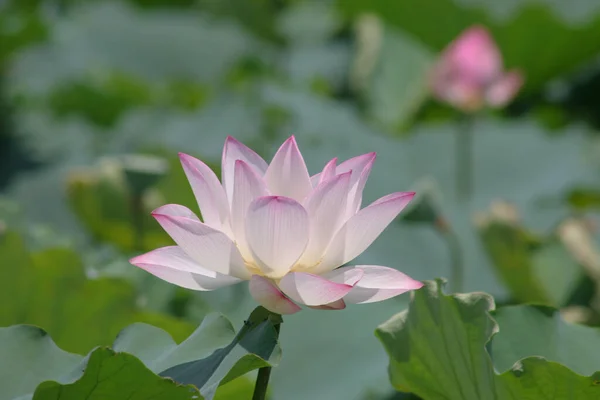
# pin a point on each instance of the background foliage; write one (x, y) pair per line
(86, 84)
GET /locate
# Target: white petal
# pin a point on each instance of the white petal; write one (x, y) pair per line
(329, 171)
(361, 168)
(347, 275)
(270, 297)
(210, 248)
(175, 258)
(362, 229)
(315, 290)
(176, 210)
(173, 265)
(208, 192)
(358, 163)
(248, 185)
(235, 150)
(287, 174)
(277, 230)
(326, 207)
(378, 283)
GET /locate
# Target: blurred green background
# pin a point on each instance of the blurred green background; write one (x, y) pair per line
(85, 84)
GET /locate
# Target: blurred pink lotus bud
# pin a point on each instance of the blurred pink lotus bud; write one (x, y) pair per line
(286, 232)
(469, 74)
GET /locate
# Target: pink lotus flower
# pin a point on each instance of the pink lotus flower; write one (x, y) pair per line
(469, 74)
(284, 231)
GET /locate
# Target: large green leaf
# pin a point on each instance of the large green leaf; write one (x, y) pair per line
(211, 356)
(29, 356)
(157, 349)
(437, 350)
(118, 376)
(436, 22)
(50, 289)
(442, 339)
(536, 378)
(255, 346)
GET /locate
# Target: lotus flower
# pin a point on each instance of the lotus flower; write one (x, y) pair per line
(469, 74)
(281, 229)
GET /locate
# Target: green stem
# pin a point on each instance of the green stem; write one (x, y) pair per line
(264, 373)
(464, 157)
(456, 256)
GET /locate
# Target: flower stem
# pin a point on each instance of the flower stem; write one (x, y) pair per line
(456, 255)
(264, 373)
(456, 260)
(464, 157)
